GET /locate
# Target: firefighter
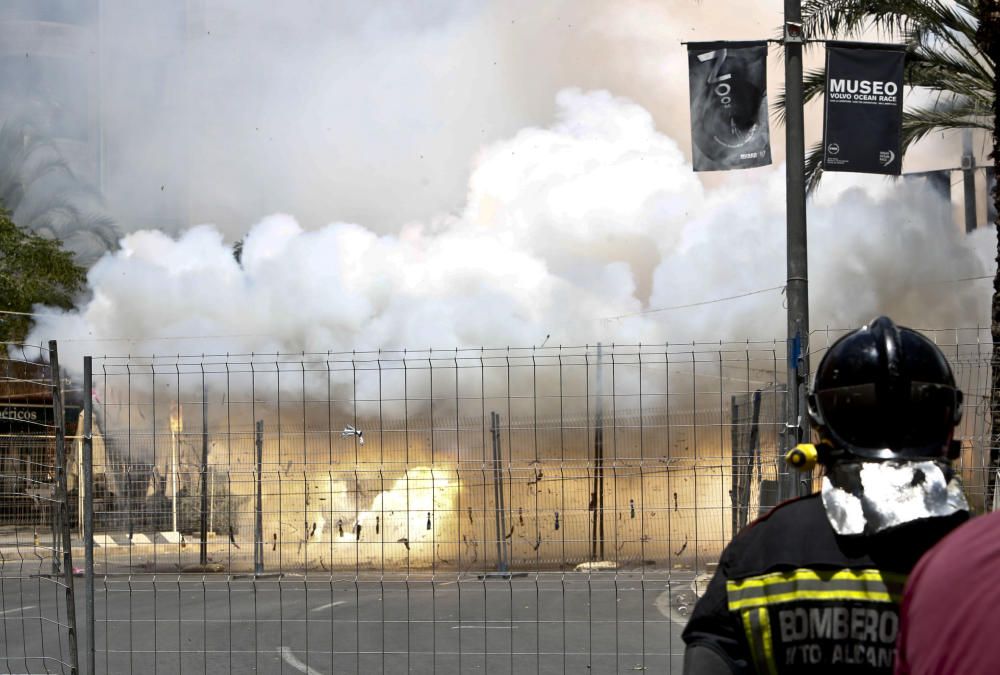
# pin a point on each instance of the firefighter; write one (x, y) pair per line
(814, 586)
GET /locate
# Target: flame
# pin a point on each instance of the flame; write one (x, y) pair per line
(176, 418)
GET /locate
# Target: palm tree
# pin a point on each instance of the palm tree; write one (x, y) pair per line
(988, 38)
(952, 48)
(44, 195)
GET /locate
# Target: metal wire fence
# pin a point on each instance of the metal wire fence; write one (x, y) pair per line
(37, 608)
(550, 510)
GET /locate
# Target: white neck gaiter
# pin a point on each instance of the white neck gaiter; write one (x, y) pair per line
(869, 497)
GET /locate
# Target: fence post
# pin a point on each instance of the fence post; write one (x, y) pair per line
(258, 523)
(79, 482)
(54, 513)
(87, 483)
(211, 501)
(500, 516)
(203, 549)
(62, 508)
(735, 481)
(597, 497)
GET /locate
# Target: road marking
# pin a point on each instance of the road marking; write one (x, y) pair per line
(329, 605)
(291, 660)
(665, 603)
(480, 627)
(18, 609)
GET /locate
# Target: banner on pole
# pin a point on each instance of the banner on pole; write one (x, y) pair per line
(863, 112)
(728, 85)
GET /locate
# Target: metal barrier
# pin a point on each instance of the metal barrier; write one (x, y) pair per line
(547, 510)
(37, 608)
(544, 509)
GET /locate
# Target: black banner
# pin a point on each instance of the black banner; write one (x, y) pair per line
(862, 121)
(728, 83)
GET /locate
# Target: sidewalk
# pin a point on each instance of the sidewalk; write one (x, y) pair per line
(155, 550)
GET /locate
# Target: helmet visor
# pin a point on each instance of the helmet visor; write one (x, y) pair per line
(913, 421)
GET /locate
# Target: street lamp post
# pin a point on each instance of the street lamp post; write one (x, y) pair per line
(797, 288)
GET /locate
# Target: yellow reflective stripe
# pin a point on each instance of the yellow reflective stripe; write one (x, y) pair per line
(791, 596)
(817, 575)
(765, 635)
(748, 629)
(808, 584)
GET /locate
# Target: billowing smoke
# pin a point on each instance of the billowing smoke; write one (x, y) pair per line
(593, 228)
(442, 175)
(581, 219)
(225, 111)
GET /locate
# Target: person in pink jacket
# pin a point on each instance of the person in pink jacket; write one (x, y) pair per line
(950, 615)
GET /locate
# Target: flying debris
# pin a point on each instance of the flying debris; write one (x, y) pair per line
(351, 431)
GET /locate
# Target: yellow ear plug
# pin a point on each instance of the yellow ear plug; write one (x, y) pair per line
(802, 457)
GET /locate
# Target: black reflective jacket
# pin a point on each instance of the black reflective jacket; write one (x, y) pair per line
(791, 595)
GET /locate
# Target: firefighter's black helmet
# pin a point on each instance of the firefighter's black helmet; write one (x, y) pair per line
(885, 392)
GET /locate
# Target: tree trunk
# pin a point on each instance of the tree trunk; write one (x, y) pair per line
(988, 36)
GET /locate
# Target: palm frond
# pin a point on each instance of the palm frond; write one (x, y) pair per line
(57, 206)
(918, 122)
(948, 71)
(814, 167)
(813, 86)
(27, 158)
(49, 213)
(851, 18)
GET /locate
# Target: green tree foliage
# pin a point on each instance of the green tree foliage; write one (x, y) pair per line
(33, 271)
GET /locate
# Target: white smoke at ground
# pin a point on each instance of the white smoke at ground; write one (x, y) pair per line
(597, 215)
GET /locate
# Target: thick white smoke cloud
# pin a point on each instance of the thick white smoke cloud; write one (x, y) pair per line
(874, 248)
(225, 111)
(597, 215)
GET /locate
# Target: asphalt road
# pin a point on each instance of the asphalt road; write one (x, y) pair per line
(602, 622)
